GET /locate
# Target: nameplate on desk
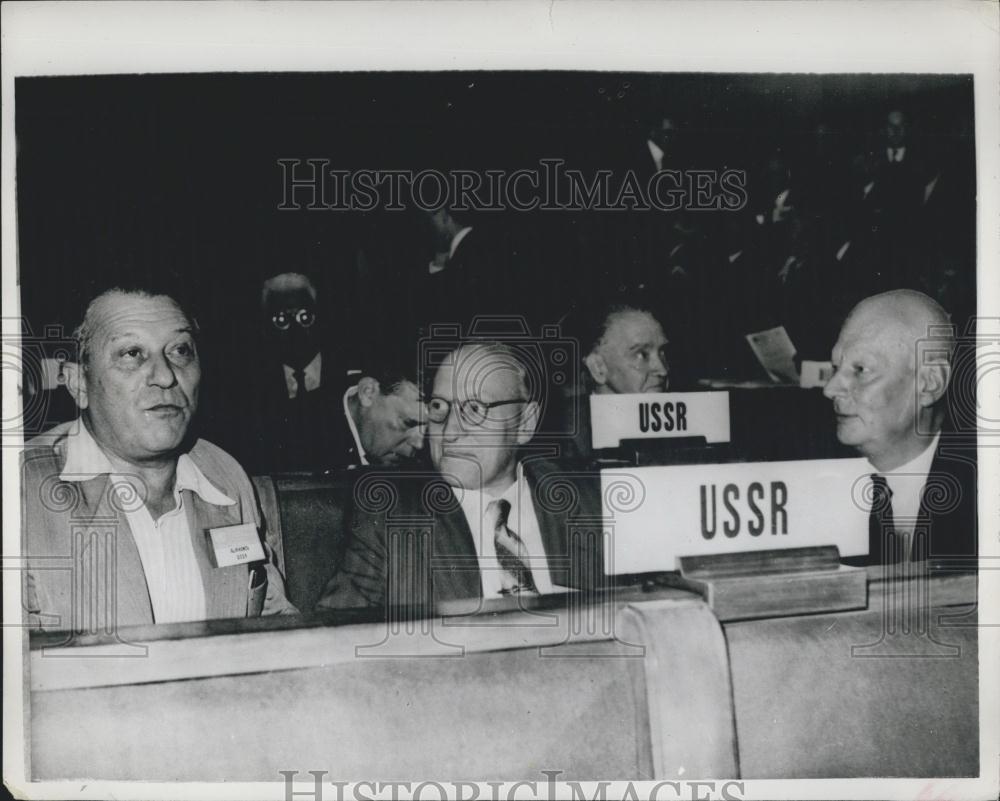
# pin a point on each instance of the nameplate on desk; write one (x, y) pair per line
(660, 415)
(656, 515)
(236, 545)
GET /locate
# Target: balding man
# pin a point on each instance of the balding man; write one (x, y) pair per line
(497, 524)
(893, 363)
(129, 519)
(626, 351)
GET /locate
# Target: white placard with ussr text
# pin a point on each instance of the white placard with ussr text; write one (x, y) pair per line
(657, 514)
(659, 415)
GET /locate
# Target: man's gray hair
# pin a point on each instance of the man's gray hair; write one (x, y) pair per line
(84, 333)
(287, 282)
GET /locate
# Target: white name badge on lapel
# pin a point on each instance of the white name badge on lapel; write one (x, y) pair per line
(236, 545)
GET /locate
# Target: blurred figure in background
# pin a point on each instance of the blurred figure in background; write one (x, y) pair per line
(295, 386)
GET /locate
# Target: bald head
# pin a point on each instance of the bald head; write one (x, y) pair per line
(481, 411)
(892, 365)
(906, 313)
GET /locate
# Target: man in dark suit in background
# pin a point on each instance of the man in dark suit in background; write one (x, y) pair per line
(893, 364)
(478, 267)
(297, 385)
(497, 523)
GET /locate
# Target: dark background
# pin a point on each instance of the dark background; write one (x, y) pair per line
(177, 175)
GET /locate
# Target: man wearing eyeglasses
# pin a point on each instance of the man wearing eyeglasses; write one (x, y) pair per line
(502, 523)
(289, 418)
(290, 309)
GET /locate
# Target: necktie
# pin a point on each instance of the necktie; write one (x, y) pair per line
(300, 383)
(511, 553)
(884, 544)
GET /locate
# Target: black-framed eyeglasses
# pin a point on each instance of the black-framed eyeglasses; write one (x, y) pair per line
(304, 318)
(473, 412)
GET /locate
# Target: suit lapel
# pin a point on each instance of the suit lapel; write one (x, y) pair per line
(454, 560)
(128, 597)
(225, 587)
(551, 524)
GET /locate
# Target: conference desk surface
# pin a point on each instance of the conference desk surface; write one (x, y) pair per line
(645, 684)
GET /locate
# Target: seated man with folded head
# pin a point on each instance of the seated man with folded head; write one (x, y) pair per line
(385, 414)
(892, 366)
(149, 523)
(498, 521)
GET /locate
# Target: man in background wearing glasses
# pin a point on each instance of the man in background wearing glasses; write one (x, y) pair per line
(499, 524)
(290, 422)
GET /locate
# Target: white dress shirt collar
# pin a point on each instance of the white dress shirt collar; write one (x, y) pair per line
(656, 152)
(907, 484)
(312, 372)
(351, 392)
(85, 459)
(457, 240)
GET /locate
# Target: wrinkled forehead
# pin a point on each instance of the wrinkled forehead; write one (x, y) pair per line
(132, 315)
(628, 328)
(478, 372)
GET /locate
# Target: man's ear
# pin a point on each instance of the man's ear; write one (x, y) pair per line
(368, 390)
(530, 418)
(76, 383)
(932, 382)
(597, 368)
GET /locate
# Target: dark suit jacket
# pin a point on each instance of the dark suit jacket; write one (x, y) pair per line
(947, 515)
(83, 567)
(411, 545)
(949, 503)
(268, 432)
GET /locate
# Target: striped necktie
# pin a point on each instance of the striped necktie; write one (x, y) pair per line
(512, 554)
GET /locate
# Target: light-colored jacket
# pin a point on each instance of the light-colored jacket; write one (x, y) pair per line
(83, 570)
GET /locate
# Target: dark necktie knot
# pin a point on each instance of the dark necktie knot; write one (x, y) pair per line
(503, 512)
(881, 494)
(884, 546)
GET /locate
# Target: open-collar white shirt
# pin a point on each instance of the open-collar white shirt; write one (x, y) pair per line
(173, 578)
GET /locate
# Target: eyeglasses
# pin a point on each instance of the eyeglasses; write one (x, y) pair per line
(303, 317)
(472, 412)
